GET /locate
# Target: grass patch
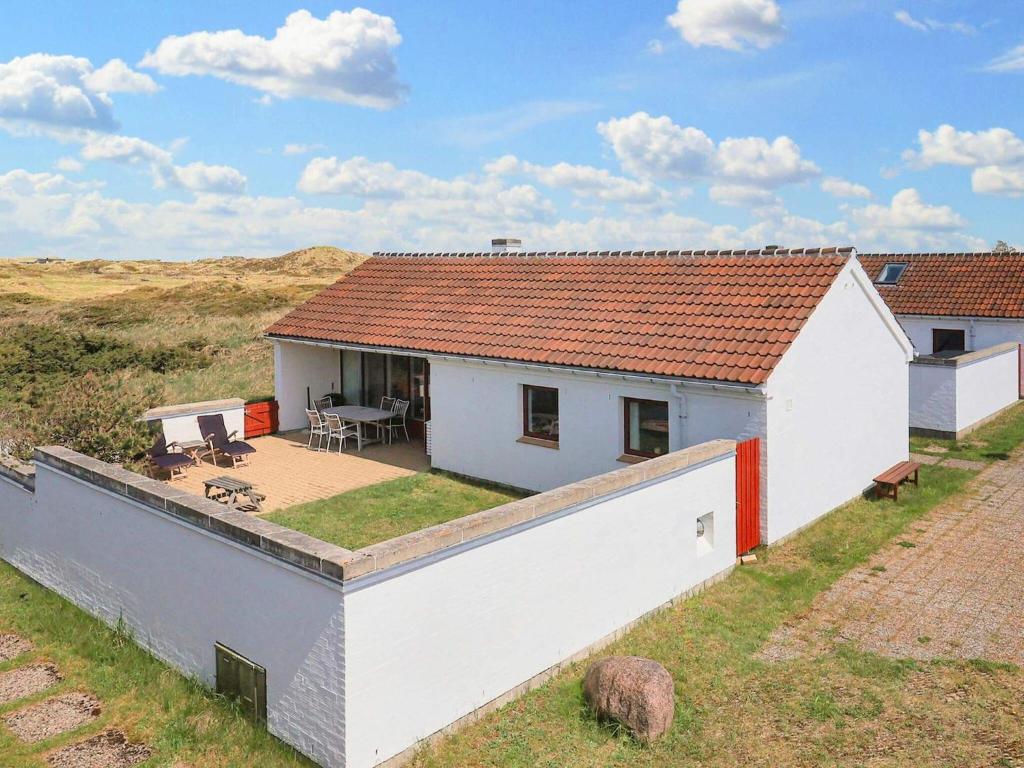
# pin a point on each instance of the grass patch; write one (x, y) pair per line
(380, 512)
(184, 722)
(994, 441)
(735, 709)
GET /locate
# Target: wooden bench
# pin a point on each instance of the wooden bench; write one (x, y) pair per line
(888, 483)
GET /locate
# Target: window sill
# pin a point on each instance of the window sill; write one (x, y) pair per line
(538, 441)
(629, 458)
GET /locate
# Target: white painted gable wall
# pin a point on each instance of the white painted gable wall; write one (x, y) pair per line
(979, 333)
(838, 408)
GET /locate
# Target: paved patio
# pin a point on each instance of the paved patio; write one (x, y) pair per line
(288, 473)
(951, 587)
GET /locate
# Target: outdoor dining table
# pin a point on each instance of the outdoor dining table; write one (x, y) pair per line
(360, 415)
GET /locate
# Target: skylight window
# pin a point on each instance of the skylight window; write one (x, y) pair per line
(890, 274)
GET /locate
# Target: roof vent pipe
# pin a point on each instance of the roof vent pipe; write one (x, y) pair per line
(506, 244)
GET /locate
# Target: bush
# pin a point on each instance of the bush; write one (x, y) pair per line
(95, 415)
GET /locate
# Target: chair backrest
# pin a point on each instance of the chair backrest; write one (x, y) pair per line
(401, 408)
(387, 403)
(323, 403)
(333, 421)
(159, 446)
(212, 429)
(315, 419)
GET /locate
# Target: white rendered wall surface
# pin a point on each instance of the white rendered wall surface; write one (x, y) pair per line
(979, 333)
(185, 428)
(838, 411)
(933, 397)
(477, 420)
(182, 590)
(303, 372)
(427, 646)
(987, 386)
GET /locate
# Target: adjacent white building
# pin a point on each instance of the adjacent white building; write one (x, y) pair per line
(539, 369)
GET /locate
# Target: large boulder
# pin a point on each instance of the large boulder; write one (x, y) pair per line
(634, 691)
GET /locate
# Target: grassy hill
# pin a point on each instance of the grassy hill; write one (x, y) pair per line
(192, 329)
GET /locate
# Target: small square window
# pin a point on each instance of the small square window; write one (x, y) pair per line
(891, 274)
(705, 533)
(540, 412)
(646, 427)
(945, 340)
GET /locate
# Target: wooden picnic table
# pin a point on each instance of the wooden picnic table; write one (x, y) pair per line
(227, 490)
(360, 415)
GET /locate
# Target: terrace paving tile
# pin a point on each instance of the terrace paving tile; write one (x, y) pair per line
(288, 473)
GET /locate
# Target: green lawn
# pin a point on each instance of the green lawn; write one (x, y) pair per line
(184, 723)
(992, 442)
(380, 512)
(844, 708)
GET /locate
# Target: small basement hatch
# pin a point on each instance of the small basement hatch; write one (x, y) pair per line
(242, 680)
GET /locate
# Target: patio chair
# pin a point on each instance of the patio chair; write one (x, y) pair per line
(338, 430)
(168, 457)
(216, 436)
(317, 429)
(323, 403)
(397, 422)
(386, 404)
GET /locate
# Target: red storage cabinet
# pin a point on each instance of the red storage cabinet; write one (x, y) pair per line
(261, 418)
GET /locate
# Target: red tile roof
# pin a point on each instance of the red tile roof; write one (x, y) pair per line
(726, 315)
(952, 284)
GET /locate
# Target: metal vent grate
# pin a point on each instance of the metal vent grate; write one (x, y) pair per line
(242, 680)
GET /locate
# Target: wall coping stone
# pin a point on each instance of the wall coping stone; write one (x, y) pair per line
(19, 471)
(340, 564)
(192, 409)
(967, 357)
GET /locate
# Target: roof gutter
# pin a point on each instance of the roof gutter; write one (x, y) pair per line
(742, 390)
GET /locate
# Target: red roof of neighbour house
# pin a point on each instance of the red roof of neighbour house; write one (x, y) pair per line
(717, 315)
(952, 284)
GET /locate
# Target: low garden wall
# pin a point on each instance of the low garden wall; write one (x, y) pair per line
(950, 396)
(370, 652)
(180, 422)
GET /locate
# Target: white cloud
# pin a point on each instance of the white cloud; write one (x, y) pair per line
(996, 155)
(503, 124)
(655, 147)
(908, 212)
(931, 25)
(1011, 61)
(582, 180)
(301, 149)
(346, 57)
(838, 187)
(997, 180)
(730, 24)
(948, 146)
(117, 77)
(200, 177)
(49, 92)
(69, 165)
(126, 150)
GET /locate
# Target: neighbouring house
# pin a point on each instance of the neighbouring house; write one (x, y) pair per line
(539, 369)
(964, 313)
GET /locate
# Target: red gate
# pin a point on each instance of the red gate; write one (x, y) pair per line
(1020, 368)
(748, 495)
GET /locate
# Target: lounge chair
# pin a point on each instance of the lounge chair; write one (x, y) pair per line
(216, 436)
(168, 457)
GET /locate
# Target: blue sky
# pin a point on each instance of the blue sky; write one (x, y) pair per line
(141, 130)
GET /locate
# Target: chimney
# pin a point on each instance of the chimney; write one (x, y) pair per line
(770, 249)
(506, 244)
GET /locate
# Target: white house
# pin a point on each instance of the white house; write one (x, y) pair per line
(965, 314)
(540, 369)
(952, 302)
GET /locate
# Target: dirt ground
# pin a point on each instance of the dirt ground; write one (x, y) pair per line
(53, 716)
(109, 749)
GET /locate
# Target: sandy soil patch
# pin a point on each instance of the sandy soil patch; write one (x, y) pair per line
(109, 749)
(12, 646)
(25, 681)
(52, 716)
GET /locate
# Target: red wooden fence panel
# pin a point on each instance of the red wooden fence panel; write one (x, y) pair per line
(261, 418)
(748, 495)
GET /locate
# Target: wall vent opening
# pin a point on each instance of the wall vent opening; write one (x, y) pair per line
(242, 680)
